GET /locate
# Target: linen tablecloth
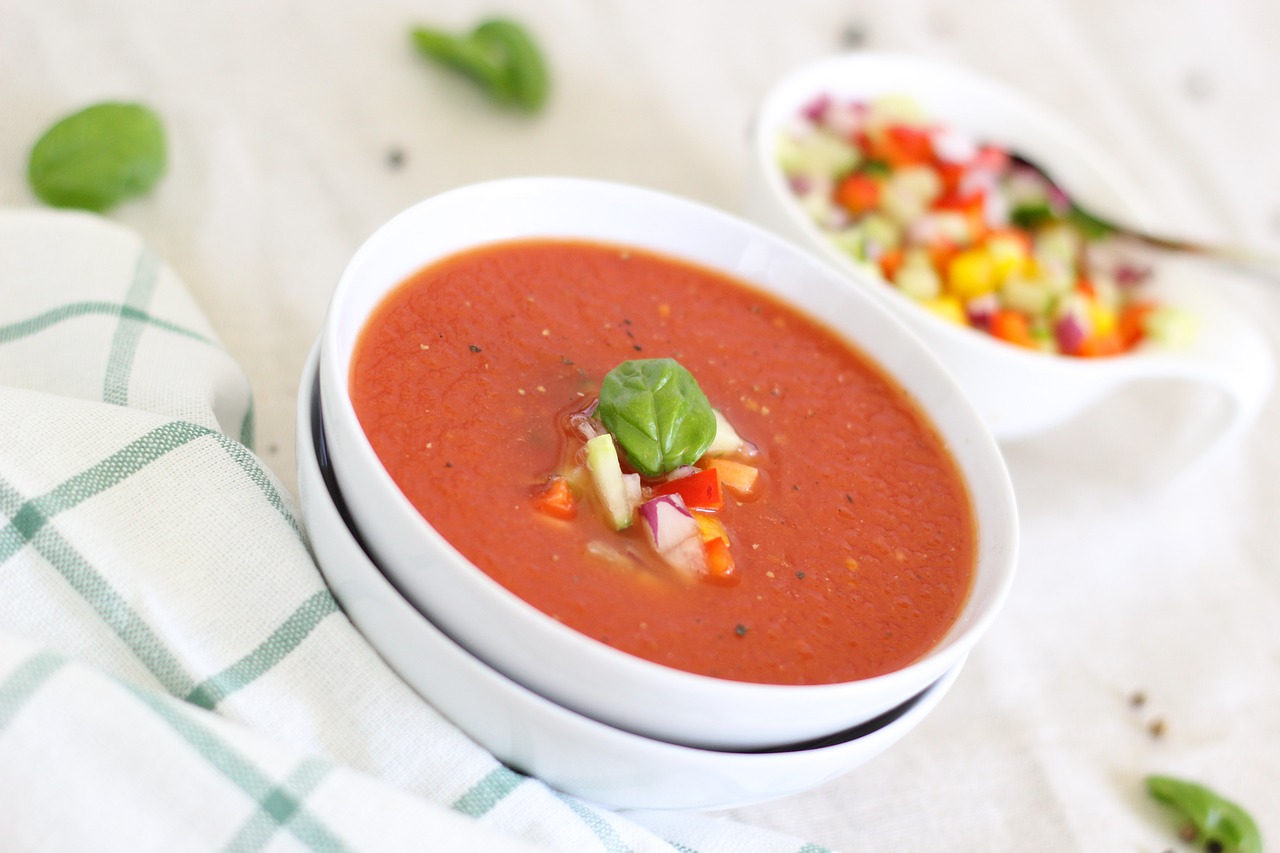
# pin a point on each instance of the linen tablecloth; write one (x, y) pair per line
(1141, 633)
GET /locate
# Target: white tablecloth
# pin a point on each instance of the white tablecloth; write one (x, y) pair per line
(286, 122)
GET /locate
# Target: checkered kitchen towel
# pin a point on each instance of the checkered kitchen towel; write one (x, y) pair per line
(174, 674)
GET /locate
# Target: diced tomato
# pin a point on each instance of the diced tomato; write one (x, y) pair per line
(940, 254)
(1011, 326)
(858, 193)
(1085, 286)
(700, 490)
(556, 499)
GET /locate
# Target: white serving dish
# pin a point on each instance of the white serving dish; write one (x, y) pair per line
(540, 652)
(568, 751)
(1019, 392)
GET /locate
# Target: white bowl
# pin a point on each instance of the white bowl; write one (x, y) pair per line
(540, 652)
(1018, 392)
(568, 751)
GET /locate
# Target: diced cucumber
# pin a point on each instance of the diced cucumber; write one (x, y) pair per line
(611, 486)
(727, 439)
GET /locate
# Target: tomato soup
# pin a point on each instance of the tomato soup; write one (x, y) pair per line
(855, 560)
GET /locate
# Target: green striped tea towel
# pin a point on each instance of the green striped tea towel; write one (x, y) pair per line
(174, 674)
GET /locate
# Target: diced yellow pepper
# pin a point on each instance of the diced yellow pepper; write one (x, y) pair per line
(948, 308)
(710, 527)
(971, 274)
(1102, 320)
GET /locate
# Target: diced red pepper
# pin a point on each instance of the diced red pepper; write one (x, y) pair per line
(1097, 346)
(858, 193)
(952, 174)
(700, 490)
(1133, 318)
(556, 499)
(720, 564)
(890, 263)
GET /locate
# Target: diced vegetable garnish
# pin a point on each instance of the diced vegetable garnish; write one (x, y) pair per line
(720, 563)
(556, 499)
(739, 479)
(658, 414)
(698, 491)
(674, 534)
(606, 474)
(965, 230)
(681, 507)
(727, 439)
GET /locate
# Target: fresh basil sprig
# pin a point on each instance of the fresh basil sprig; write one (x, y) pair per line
(98, 157)
(657, 413)
(1219, 824)
(498, 54)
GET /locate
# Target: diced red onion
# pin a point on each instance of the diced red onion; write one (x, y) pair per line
(817, 108)
(982, 309)
(800, 184)
(584, 426)
(1128, 275)
(674, 534)
(1070, 332)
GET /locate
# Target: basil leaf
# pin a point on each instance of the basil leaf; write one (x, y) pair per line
(498, 54)
(1219, 824)
(98, 157)
(657, 413)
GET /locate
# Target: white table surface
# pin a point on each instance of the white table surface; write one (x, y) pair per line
(281, 119)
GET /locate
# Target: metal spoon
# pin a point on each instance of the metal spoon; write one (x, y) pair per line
(1235, 257)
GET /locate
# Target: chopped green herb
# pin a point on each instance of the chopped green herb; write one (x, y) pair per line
(1031, 214)
(1208, 818)
(658, 414)
(741, 630)
(800, 575)
(474, 348)
(98, 157)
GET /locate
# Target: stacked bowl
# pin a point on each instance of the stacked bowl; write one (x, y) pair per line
(588, 718)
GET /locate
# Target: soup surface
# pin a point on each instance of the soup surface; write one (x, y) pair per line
(855, 560)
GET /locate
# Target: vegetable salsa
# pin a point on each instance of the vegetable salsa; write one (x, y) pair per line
(544, 404)
(967, 230)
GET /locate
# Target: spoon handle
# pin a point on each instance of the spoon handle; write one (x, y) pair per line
(1236, 258)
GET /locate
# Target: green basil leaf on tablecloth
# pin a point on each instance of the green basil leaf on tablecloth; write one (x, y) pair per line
(98, 157)
(657, 413)
(1217, 823)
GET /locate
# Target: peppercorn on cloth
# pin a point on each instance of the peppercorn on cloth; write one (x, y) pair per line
(174, 673)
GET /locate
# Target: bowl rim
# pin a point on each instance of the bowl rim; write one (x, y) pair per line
(997, 573)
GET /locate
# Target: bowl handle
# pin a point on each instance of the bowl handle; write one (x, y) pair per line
(1230, 355)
